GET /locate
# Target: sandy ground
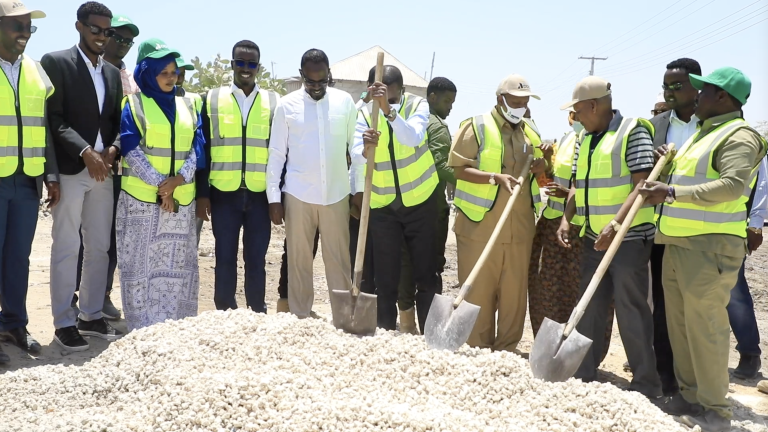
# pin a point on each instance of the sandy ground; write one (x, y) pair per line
(749, 404)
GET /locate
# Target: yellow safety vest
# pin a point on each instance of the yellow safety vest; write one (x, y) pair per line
(156, 133)
(533, 136)
(27, 111)
(563, 171)
(475, 199)
(603, 180)
(239, 153)
(195, 100)
(694, 167)
(416, 172)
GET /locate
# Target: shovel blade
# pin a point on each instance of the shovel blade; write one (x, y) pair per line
(446, 328)
(354, 315)
(556, 359)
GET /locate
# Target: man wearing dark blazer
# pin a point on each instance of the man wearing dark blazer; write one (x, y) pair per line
(84, 118)
(674, 126)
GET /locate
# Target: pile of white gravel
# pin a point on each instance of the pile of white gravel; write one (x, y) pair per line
(241, 371)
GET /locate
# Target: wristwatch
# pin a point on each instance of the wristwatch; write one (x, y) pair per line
(616, 226)
(492, 180)
(392, 115)
(755, 230)
(670, 195)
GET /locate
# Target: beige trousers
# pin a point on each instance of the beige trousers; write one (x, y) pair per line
(302, 220)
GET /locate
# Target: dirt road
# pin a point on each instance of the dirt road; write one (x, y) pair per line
(749, 404)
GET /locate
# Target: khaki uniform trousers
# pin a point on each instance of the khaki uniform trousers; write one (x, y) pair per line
(697, 289)
(502, 286)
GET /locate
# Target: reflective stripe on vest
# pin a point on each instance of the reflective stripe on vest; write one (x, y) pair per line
(229, 147)
(533, 135)
(603, 179)
(563, 171)
(694, 167)
(416, 172)
(34, 88)
(475, 199)
(155, 142)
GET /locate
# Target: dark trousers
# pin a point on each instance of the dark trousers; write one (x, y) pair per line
(741, 314)
(231, 211)
(626, 281)
(661, 346)
(389, 226)
(112, 252)
(282, 285)
(18, 222)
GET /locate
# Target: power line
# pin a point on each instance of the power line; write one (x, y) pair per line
(638, 26)
(593, 58)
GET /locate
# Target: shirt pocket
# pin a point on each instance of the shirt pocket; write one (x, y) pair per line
(338, 126)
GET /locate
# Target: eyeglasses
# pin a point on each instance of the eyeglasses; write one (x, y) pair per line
(674, 87)
(241, 63)
(122, 40)
(310, 83)
(18, 27)
(96, 30)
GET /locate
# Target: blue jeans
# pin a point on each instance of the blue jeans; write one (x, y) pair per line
(18, 222)
(229, 212)
(741, 314)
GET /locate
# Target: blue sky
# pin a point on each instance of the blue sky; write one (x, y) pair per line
(477, 43)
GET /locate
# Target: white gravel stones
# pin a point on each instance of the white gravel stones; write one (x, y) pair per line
(241, 371)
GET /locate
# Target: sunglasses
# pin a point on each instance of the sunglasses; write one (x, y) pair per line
(122, 40)
(18, 27)
(96, 30)
(241, 63)
(674, 87)
(310, 83)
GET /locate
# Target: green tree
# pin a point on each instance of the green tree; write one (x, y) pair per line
(218, 72)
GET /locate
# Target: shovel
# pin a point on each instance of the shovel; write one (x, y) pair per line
(559, 349)
(446, 328)
(353, 311)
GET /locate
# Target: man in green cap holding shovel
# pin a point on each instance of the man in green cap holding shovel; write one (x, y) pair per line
(703, 222)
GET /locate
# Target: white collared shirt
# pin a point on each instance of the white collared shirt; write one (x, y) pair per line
(98, 83)
(311, 139)
(680, 132)
(244, 102)
(12, 71)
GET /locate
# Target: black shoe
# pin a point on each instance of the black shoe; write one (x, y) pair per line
(109, 311)
(22, 339)
(677, 406)
(748, 368)
(70, 339)
(4, 357)
(99, 328)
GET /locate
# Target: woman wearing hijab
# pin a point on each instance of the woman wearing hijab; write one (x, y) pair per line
(161, 142)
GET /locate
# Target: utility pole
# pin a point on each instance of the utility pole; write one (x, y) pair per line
(273, 70)
(592, 68)
(432, 69)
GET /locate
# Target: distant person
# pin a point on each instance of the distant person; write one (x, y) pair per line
(22, 175)
(660, 107)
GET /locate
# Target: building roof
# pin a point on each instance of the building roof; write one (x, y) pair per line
(356, 67)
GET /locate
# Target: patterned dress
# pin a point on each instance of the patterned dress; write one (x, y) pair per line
(156, 252)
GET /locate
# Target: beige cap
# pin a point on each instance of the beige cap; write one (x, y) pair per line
(515, 85)
(589, 88)
(10, 8)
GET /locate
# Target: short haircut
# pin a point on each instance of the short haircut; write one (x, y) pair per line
(92, 8)
(392, 75)
(246, 45)
(314, 56)
(372, 75)
(440, 85)
(691, 66)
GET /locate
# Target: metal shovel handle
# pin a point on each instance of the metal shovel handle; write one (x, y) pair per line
(495, 235)
(611, 252)
(365, 212)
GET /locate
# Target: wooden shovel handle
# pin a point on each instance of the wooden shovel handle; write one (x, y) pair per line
(495, 235)
(611, 252)
(365, 212)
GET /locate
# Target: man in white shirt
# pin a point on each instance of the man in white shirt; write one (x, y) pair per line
(676, 125)
(312, 130)
(231, 189)
(403, 200)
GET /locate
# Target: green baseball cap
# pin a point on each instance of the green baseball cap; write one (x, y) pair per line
(155, 48)
(182, 64)
(732, 80)
(124, 21)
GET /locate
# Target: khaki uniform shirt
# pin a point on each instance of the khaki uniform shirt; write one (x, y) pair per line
(735, 161)
(517, 147)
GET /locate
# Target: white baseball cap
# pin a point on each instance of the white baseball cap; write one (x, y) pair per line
(11, 8)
